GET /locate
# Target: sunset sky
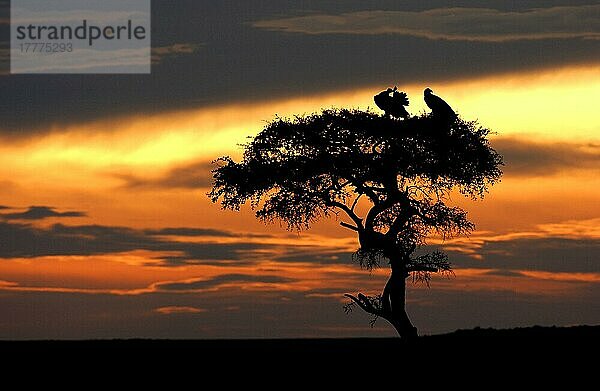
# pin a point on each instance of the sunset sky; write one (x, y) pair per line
(106, 230)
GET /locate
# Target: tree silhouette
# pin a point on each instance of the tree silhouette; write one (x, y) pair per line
(401, 172)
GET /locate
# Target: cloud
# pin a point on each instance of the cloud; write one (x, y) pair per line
(185, 231)
(225, 279)
(325, 256)
(556, 249)
(39, 213)
(457, 24)
(19, 240)
(22, 240)
(200, 232)
(4, 58)
(177, 49)
(191, 176)
(527, 158)
(504, 273)
(551, 254)
(179, 310)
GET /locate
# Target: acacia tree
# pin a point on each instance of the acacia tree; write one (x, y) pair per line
(310, 167)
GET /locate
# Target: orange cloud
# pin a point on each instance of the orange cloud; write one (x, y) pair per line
(179, 310)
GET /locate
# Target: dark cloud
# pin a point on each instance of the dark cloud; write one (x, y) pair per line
(21, 240)
(504, 273)
(227, 69)
(198, 285)
(40, 213)
(25, 241)
(526, 158)
(552, 254)
(460, 24)
(191, 176)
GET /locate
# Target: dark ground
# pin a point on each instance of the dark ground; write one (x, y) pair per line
(548, 352)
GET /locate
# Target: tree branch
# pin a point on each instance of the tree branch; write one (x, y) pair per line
(357, 220)
(407, 211)
(349, 226)
(363, 303)
(418, 189)
(417, 268)
(362, 188)
(356, 202)
(375, 211)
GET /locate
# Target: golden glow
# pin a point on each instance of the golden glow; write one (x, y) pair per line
(557, 104)
(77, 166)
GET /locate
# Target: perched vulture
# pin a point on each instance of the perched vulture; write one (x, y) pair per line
(383, 100)
(399, 100)
(392, 105)
(439, 108)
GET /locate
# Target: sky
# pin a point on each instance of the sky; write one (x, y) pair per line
(106, 230)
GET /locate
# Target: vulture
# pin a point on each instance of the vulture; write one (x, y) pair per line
(439, 107)
(392, 105)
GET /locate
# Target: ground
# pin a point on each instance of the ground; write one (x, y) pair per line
(549, 352)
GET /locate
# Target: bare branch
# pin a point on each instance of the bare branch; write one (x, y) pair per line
(355, 202)
(363, 302)
(348, 211)
(344, 184)
(376, 210)
(418, 189)
(428, 269)
(362, 188)
(358, 302)
(349, 226)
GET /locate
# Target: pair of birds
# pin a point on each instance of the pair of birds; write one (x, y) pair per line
(393, 105)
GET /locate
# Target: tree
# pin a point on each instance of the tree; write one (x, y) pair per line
(310, 167)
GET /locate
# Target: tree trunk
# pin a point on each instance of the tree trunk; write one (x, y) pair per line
(394, 304)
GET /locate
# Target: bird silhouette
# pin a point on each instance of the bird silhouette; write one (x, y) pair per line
(383, 100)
(399, 100)
(392, 105)
(439, 107)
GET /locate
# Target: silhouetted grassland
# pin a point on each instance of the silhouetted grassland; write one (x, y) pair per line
(519, 350)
